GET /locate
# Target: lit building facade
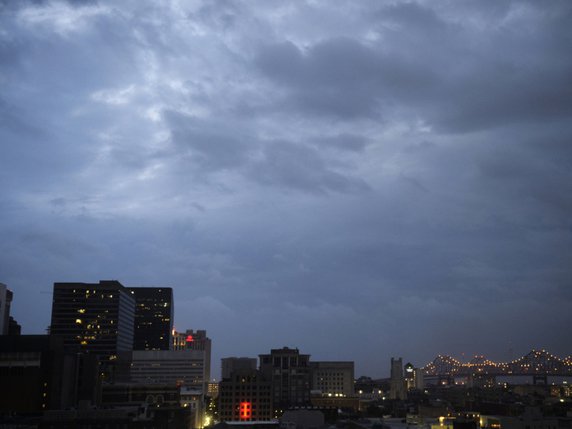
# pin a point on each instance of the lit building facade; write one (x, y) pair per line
(413, 377)
(97, 317)
(153, 318)
(289, 373)
(245, 396)
(409, 376)
(195, 340)
(212, 389)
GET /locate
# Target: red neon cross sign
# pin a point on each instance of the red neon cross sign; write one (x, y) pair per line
(245, 411)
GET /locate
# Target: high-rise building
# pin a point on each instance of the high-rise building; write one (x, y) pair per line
(187, 366)
(397, 381)
(230, 364)
(419, 379)
(5, 301)
(289, 373)
(99, 317)
(195, 340)
(246, 395)
(153, 318)
(332, 379)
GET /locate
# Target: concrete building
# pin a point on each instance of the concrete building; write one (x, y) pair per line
(409, 376)
(289, 373)
(177, 367)
(231, 364)
(413, 377)
(245, 396)
(212, 389)
(332, 379)
(5, 301)
(419, 379)
(397, 381)
(195, 340)
(153, 324)
(97, 317)
(42, 376)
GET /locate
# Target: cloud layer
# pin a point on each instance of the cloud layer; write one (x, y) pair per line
(359, 180)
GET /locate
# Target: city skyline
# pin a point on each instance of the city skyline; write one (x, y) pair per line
(359, 180)
(466, 363)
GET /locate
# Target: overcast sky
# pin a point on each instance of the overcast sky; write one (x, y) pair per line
(358, 179)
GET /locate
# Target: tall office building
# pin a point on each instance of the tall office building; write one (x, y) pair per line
(187, 365)
(230, 364)
(289, 373)
(97, 317)
(409, 376)
(153, 318)
(397, 381)
(195, 340)
(5, 301)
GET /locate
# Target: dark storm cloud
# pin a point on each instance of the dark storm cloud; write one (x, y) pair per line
(437, 69)
(300, 167)
(216, 146)
(208, 145)
(347, 170)
(341, 77)
(350, 142)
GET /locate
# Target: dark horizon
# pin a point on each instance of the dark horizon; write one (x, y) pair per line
(359, 180)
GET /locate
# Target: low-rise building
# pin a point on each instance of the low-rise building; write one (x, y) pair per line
(245, 396)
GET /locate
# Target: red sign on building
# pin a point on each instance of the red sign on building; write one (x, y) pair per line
(245, 412)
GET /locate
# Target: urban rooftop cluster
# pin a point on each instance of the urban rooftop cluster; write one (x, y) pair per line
(113, 359)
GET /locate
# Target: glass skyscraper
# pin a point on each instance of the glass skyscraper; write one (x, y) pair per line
(96, 317)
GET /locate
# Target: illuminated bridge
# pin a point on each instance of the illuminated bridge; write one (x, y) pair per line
(538, 363)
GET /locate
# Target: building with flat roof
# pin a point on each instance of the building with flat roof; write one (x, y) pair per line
(195, 340)
(230, 364)
(333, 379)
(97, 317)
(246, 396)
(177, 367)
(397, 380)
(38, 374)
(153, 324)
(289, 373)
